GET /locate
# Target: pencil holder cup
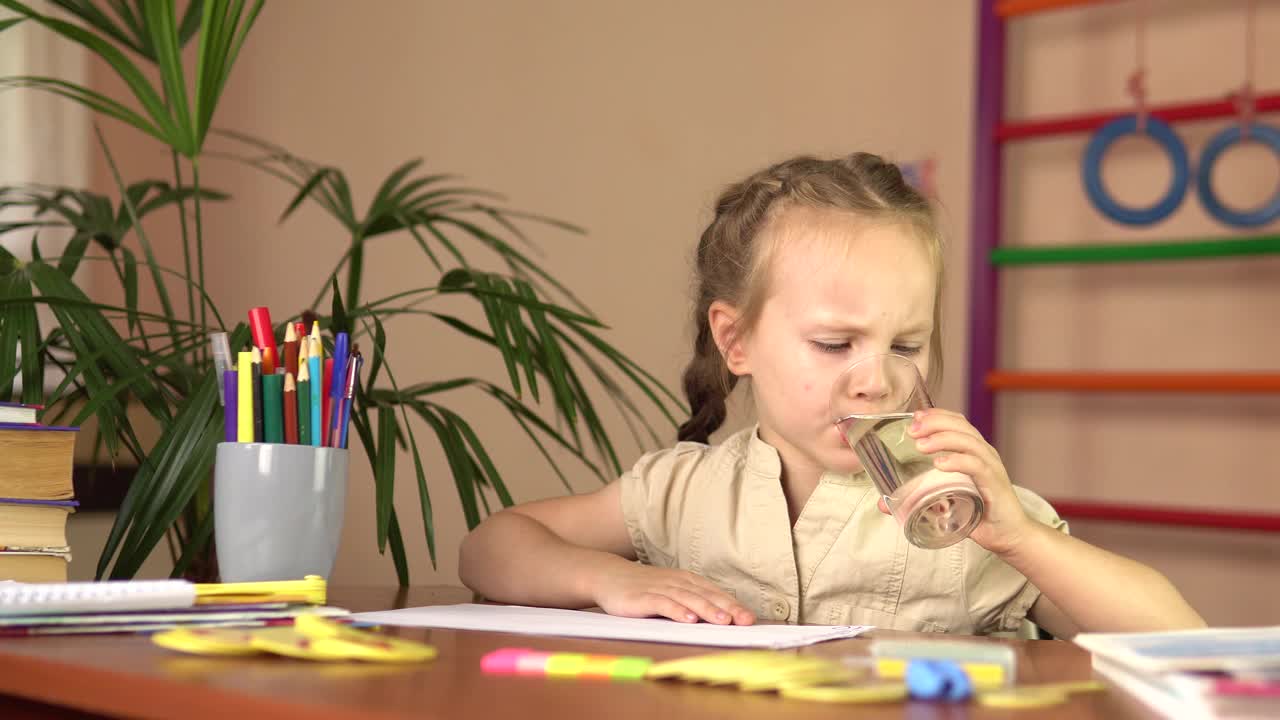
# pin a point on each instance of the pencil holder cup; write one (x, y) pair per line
(277, 510)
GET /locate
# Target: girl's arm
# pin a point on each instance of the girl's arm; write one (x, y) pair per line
(575, 552)
(1086, 588)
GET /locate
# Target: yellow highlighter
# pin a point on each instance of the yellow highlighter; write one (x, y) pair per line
(244, 404)
(311, 590)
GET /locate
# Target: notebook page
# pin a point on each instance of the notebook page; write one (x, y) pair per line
(583, 624)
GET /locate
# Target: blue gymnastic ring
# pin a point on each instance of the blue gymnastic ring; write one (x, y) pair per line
(1159, 131)
(1218, 144)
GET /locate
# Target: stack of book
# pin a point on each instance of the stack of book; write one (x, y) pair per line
(36, 496)
(1188, 674)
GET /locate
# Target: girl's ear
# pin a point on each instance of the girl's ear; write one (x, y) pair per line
(723, 319)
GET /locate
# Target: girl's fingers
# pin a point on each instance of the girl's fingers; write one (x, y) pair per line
(657, 604)
(710, 591)
(958, 442)
(934, 421)
(964, 464)
(699, 604)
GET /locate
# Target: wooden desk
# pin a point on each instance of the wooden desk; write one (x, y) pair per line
(127, 676)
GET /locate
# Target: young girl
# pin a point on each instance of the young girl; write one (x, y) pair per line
(808, 266)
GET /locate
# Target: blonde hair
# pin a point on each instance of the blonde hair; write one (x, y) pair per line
(733, 262)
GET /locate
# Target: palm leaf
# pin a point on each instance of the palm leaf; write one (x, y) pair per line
(397, 550)
(165, 482)
(19, 328)
(132, 35)
(391, 532)
(151, 102)
(91, 99)
(226, 26)
(460, 465)
(385, 472)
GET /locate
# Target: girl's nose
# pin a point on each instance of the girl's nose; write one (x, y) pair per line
(871, 381)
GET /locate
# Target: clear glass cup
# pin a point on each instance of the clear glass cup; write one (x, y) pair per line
(873, 402)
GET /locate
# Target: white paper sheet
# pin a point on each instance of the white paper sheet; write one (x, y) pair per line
(583, 624)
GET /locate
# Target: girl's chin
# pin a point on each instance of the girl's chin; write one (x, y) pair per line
(843, 460)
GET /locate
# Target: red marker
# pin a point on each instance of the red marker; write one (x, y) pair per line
(264, 337)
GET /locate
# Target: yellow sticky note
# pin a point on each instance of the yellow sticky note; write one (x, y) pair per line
(207, 641)
(331, 636)
(289, 642)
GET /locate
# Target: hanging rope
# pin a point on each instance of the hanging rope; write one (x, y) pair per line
(1245, 100)
(1137, 83)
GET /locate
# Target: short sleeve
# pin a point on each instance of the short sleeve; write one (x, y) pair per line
(655, 498)
(998, 596)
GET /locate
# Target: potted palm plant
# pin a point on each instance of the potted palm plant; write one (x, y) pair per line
(112, 358)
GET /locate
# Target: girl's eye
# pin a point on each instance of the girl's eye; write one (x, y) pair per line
(906, 350)
(830, 347)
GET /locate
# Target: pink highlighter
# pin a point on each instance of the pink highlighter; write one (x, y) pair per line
(526, 661)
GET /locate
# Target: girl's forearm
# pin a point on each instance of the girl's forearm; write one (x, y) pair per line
(514, 558)
(1097, 590)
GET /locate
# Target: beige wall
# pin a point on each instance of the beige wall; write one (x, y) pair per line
(628, 120)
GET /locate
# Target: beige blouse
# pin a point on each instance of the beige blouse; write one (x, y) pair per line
(719, 511)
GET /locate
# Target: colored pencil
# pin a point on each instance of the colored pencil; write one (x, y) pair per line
(304, 405)
(314, 362)
(290, 397)
(244, 411)
(272, 410)
(291, 351)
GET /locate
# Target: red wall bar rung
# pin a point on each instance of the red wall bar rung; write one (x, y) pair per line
(1163, 382)
(1205, 110)
(1169, 517)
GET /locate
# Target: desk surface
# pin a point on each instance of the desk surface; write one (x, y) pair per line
(128, 676)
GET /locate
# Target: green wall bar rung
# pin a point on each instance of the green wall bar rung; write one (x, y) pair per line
(1137, 252)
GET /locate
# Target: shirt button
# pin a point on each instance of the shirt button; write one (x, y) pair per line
(781, 609)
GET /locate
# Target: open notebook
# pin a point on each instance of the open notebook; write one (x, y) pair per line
(583, 624)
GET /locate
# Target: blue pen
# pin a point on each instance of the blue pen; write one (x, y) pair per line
(356, 361)
(337, 384)
(316, 364)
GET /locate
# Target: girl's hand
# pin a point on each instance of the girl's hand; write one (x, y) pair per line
(965, 451)
(635, 590)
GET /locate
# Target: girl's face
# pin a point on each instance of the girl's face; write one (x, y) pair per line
(841, 288)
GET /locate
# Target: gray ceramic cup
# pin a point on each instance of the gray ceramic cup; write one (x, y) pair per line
(277, 510)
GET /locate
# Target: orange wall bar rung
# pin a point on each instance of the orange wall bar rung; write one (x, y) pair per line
(1167, 517)
(1205, 382)
(1013, 8)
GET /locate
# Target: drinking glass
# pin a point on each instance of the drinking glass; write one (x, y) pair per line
(873, 402)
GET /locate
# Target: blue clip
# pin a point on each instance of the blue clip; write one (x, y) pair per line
(938, 680)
